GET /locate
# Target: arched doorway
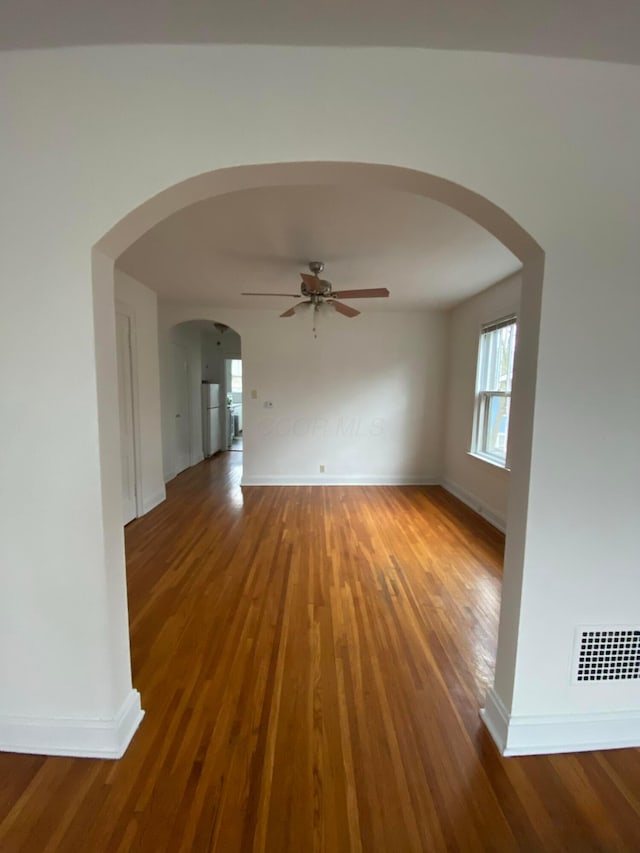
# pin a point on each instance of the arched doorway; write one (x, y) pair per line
(488, 215)
(202, 406)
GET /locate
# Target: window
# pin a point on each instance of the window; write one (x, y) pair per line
(236, 375)
(493, 390)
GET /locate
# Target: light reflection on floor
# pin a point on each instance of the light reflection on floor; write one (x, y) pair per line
(235, 470)
(484, 601)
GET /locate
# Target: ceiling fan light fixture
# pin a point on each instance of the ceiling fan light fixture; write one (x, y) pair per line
(319, 293)
(321, 311)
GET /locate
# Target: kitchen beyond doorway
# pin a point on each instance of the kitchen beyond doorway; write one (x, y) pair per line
(233, 394)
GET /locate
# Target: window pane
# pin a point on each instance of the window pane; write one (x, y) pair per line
(496, 359)
(236, 375)
(493, 390)
(497, 427)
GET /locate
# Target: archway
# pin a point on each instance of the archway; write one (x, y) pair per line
(481, 210)
(201, 407)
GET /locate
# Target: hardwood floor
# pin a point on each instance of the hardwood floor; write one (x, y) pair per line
(311, 662)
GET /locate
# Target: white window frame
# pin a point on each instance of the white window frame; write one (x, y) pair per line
(484, 395)
(234, 375)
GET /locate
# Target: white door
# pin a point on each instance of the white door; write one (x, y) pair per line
(125, 400)
(181, 396)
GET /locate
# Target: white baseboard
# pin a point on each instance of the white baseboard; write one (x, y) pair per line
(477, 505)
(495, 717)
(336, 480)
(155, 500)
(84, 738)
(545, 735)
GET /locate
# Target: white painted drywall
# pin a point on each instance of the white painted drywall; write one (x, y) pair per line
(216, 347)
(142, 306)
(483, 486)
(552, 142)
(188, 336)
(365, 398)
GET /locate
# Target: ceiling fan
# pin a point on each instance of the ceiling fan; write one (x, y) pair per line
(320, 292)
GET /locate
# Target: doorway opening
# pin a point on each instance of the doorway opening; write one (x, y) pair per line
(492, 218)
(233, 396)
(203, 399)
(127, 404)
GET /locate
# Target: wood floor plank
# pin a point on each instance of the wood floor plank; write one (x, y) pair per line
(311, 661)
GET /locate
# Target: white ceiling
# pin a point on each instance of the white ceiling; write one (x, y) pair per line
(428, 255)
(589, 29)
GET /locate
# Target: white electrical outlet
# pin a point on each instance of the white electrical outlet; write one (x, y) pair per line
(254, 395)
(322, 469)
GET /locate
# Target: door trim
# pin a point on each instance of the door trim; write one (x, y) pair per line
(176, 345)
(128, 310)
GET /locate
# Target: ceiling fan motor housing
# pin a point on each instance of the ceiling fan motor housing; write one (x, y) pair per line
(319, 287)
(323, 288)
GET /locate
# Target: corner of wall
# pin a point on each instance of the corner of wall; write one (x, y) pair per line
(82, 738)
(477, 504)
(547, 735)
(153, 501)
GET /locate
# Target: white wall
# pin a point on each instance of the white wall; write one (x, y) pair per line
(216, 347)
(483, 486)
(190, 337)
(552, 142)
(142, 307)
(365, 398)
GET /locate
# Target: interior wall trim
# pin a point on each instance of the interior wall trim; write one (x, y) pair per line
(155, 500)
(546, 735)
(476, 504)
(84, 738)
(337, 480)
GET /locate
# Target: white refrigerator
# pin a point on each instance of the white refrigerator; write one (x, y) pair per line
(211, 432)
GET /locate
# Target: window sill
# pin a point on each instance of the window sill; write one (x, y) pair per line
(487, 460)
